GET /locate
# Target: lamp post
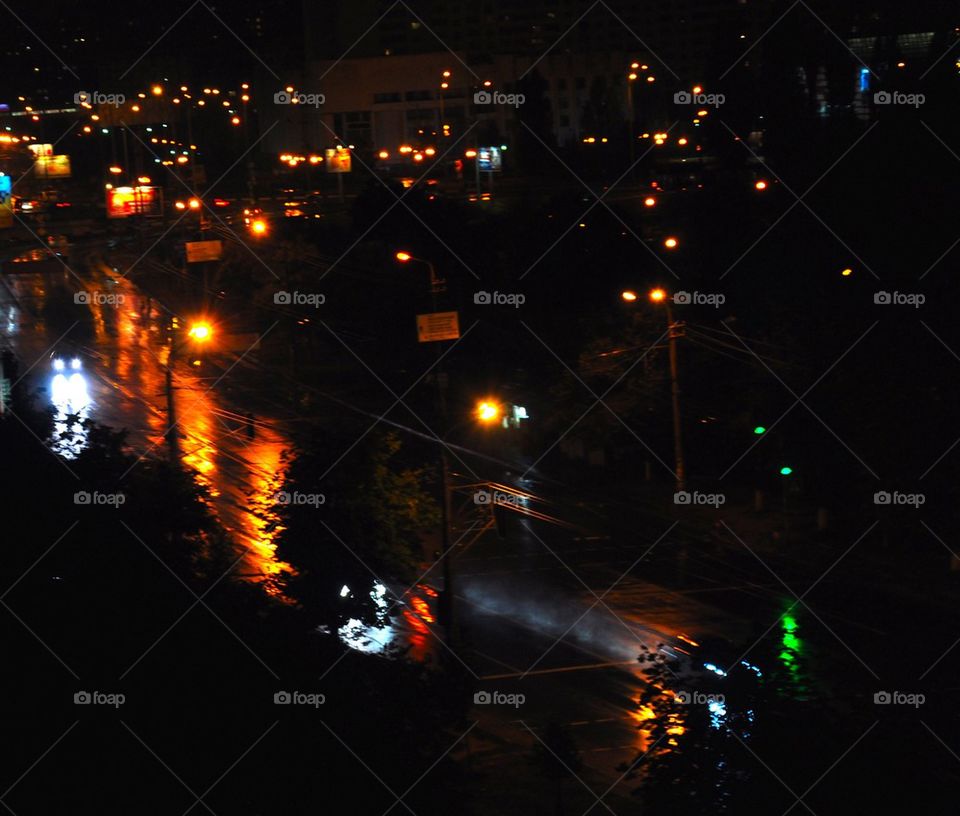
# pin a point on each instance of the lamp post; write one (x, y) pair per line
(631, 78)
(437, 285)
(200, 332)
(659, 296)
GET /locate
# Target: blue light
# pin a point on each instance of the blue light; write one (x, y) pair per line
(714, 669)
(864, 79)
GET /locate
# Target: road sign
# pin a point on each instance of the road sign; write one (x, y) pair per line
(199, 251)
(438, 326)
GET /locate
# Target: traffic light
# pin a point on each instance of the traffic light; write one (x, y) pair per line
(759, 430)
(786, 470)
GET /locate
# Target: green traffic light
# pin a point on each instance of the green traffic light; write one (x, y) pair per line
(759, 430)
(786, 471)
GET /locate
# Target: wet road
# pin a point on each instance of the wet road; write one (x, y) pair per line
(121, 338)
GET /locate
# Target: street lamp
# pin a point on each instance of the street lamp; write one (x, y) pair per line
(200, 332)
(658, 295)
(436, 284)
(488, 412)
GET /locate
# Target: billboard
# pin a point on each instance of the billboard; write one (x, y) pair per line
(52, 166)
(6, 201)
(39, 150)
(126, 201)
(438, 326)
(338, 160)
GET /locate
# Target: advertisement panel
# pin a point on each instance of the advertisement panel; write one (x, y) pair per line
(6, 201)
(123, 202)
(57, 166)
(338, 160)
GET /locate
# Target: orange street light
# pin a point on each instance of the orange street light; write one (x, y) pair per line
(194, 203)
(488, 412)
(201, 331)
(650, 202)
(697, 89)
(157, 90)
(116, 170)
(658, 295)
(671, 243)
(847, 272)
(403, 257)
(258, 226)
(383, 154)
(629, 296)
(761, 185)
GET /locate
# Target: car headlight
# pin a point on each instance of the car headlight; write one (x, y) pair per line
(58, 364)
(75, 364)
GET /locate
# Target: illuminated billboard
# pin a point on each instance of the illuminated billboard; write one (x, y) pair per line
(123, 202)
(52, 166)
(338, 160)
(6, 201)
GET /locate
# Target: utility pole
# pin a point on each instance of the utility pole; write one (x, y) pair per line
(674, 331)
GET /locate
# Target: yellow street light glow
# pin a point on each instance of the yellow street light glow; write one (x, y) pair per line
(383, 154)
(629, 296)
(446, 74)
(444, 85)
(681, 141)
(670, 243)
(144, 179)
(631, 76)
(403, 257)
(430, 151)
(847, 272)
(487, 83)
(651, 79)
(634, 65)
(488, 411)
(471, 154)
(180, 205)
(194, 203)
(259, 226)
(658, 295)
(761, 185)
(135, 109)
(406, 149)
(697, 89)
(650, 202)
(200, 331)
(182, 160)
(116, 170)
(157, 90)
(235, 120)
